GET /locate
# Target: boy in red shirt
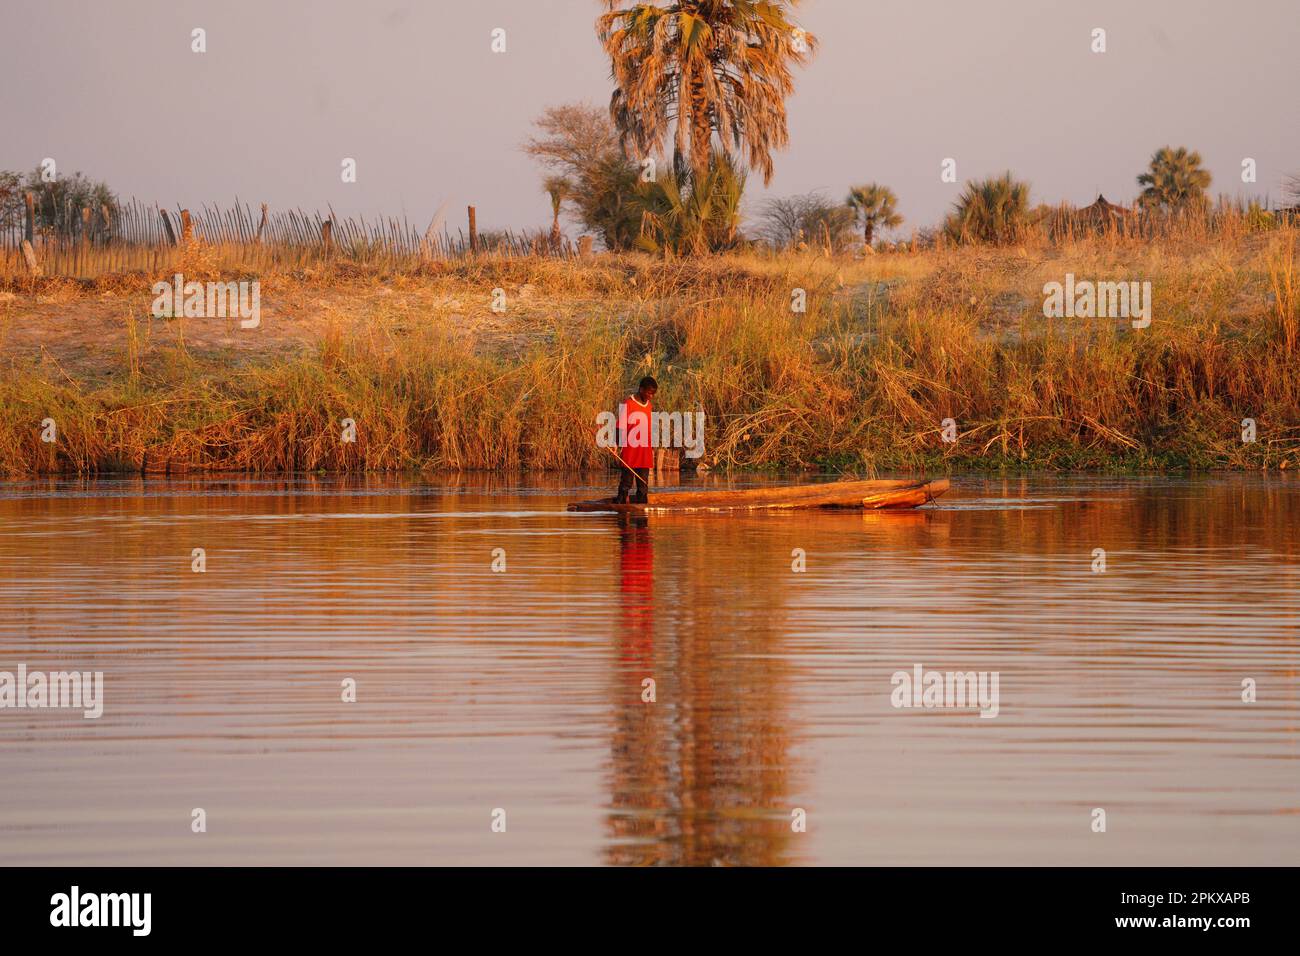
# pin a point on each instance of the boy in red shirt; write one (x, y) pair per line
(634, 443)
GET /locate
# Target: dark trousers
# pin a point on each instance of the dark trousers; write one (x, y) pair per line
(636, 480)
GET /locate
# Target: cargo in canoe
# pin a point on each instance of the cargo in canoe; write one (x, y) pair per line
(862, 495)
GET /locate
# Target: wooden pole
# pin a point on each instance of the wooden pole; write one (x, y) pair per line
(167, 224)
(473, 231)
(327, 236)
(628, 467)
(261, 226)
(187, 226)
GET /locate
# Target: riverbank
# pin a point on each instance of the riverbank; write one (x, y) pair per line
(504, 363)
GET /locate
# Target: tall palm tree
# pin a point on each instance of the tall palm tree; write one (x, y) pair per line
(1175, 179)
(708, 68)
(992, 210)
(559, 189)
(875, 205)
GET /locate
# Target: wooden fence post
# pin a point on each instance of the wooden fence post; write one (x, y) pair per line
(187, 226)
(167, 224)
(327, 236)
(473, 231)
(261, 226)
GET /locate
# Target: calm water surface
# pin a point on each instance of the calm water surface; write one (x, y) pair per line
(522, 690)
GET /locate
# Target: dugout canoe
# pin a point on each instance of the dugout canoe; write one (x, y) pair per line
(862, 495)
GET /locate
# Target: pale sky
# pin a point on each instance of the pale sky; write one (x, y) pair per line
(413, 92)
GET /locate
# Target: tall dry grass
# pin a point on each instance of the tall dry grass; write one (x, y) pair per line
(888, 348)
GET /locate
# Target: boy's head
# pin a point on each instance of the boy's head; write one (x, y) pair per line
(647, 388)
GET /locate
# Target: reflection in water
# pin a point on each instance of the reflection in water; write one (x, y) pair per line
(523, 689)
(636, 562)
(697, 774)
(637, 745)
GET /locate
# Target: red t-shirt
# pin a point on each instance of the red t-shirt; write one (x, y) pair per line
(634, 431)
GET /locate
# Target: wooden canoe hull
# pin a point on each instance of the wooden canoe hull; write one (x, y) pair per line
(868, 495)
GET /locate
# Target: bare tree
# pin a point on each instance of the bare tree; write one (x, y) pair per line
(577, 143)
(811, 217)
(573, 140)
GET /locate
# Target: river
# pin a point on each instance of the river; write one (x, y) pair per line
(501, 648)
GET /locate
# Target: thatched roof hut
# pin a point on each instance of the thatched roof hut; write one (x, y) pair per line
(1103, 212)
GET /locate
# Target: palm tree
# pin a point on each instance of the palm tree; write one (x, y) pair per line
(559, 189)
(709, 68)
(693, 213)
(993, 210)
(1175, 180)
(875, 204)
